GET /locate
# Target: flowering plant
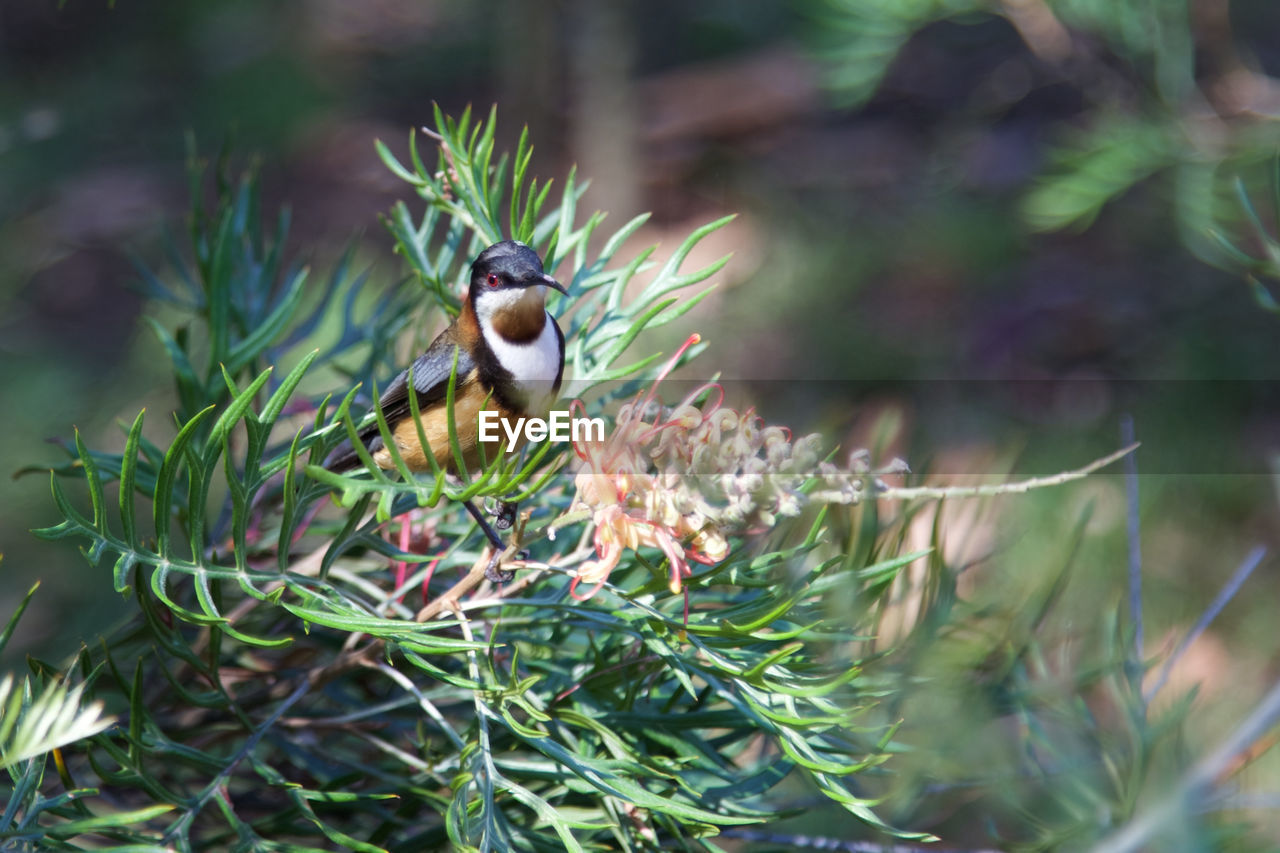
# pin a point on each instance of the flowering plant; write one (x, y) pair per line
(278, 690)
(687, 478)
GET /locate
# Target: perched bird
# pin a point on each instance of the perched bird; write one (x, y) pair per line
(510, 357)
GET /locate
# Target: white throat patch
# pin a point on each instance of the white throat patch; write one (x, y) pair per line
(534, 364)
(496, 302)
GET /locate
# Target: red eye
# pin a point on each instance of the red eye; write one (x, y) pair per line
(493, 279)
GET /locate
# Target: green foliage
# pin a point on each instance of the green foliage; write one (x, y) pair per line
(31, 725)
(464, 196)
(1265, 264)
(276, 693)
(1145, 113)
(857, 40)
(1096, 166)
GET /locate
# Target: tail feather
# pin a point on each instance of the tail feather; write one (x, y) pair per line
(344, 457)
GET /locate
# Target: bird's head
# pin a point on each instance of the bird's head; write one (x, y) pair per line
(508, 277)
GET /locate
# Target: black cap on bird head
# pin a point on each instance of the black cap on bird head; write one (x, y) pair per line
(509, 264)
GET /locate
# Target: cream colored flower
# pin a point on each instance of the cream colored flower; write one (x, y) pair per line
(686, 479)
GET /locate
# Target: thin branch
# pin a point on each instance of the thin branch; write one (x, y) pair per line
(1040, 29)
(940, 492)
(1267, 800)
(1228, 591)
(423, 702)
(823, 843)
(490, 774)
(215, 784)
(344, 720)
(353, 658)
(1133, 531)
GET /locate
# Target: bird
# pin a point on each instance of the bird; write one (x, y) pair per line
(510, 360)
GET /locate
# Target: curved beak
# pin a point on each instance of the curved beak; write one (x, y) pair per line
(552, 283)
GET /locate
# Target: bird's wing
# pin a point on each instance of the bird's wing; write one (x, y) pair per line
(430, 380)
(430, 373)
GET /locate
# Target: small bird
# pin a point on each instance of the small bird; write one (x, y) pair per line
(510, 356)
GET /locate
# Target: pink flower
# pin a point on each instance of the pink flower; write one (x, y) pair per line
(686, 478)
(613, 480)
(617, 530)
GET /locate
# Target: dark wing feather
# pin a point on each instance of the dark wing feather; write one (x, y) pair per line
(431, 381)
(555, 386)
(430, 378)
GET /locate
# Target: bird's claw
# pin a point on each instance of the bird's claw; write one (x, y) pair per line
(505, 515)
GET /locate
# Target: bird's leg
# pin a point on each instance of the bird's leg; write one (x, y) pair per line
(491, 572)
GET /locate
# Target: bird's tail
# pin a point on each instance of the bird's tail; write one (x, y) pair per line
(343, 458)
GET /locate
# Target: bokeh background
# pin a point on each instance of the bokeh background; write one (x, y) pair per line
(976, 232)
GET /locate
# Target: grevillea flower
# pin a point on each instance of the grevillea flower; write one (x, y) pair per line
(686, 478)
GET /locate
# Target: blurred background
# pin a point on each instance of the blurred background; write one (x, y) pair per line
(975, 231)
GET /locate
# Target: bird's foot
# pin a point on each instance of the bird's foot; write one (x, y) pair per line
(504, 515)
